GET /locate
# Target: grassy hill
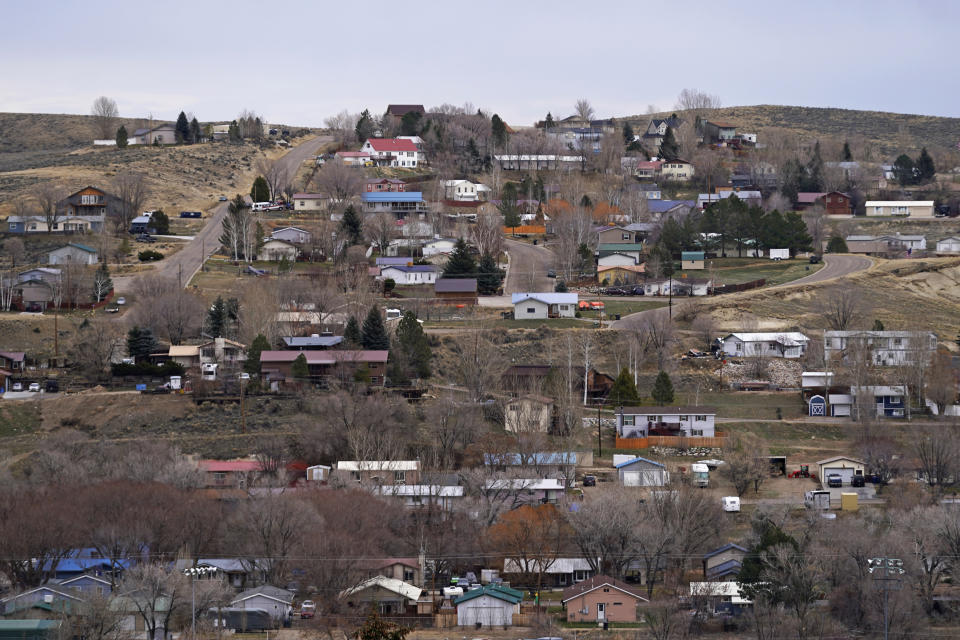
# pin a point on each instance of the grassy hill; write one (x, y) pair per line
(21, 132)
(889, 131)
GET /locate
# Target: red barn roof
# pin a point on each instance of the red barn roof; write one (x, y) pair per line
(391, 144)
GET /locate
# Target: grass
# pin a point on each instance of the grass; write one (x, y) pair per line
(752, 405)
(623, 307)
(739, 270)
(17, 419)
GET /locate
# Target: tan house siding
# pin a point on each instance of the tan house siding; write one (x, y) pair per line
(619, 606)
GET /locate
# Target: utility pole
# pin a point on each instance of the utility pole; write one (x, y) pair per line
(886, 574)
(599, 432)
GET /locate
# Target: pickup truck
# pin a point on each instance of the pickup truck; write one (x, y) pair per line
(834, 480)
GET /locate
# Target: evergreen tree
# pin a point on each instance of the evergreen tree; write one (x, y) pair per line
(624, 391)
(410, 123)
(837, 245)
(475, 159)
(195, 133)
(300, 370)
(373, 335)
(351, 332)
(258, 346)
(793, 176)
(847, 155)
(351, 225)
(182, 129)
(560, 287)
(260, 191)
(217, 318)
(160, 222)
(365, 126)
(413, 344)
(669, 147)
(548, 122)
(925, 169)
(586, 202)
(877, 325)
(489, 275)
(814, 178)
(122, 137)
(140, 343)
(498, 129)
(233, 132)
(231, 326)
(102, 283)
(460, 264)
(628, 134)
(904, 170)
(662, 389)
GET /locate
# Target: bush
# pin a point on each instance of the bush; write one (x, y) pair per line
(169, 368)
(837, 245)
(149, 255)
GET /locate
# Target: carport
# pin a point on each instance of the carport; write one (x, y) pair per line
(845, 467)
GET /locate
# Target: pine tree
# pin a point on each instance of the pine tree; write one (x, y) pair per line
(925, 169)
(351, 332)
(365, 126)
(160, 222)
(182, 130)
(460, 264)
(489, 275)
(413, 345)
(624, 391)
(662, 389)
(233, 132)
(373, 335)
(877, 325)
(217, 318)
(498, 129)
(560, 287)
(140, 343)
(300, 370)
(351, 225)
(260, 191)
(837, 245)
(548, 123)
(904, 170)
(669, 147)
(122, 137)
(258, 346)
(628, 134)
(410, 123)
(814, 177)
(195, 133)
(847, 155)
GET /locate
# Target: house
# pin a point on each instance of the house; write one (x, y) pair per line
(388, 261)
(639, 422)
(293, 235)
(384, 184)
(235, 573)
(718, 132)
(837, 203)
(676, 170)
(723, 563)
(787, 344)
(399, 203)
(618, 235)
(229, 474)
(274, 600)
(465, 191)
(634, 250)
(691, 260)
(89, 561)
(529, 413)
(670, 208)
(50, 597)
(393, 152)
(418, 496)
(33, 629)
(141, 224)
(949, 246)
(492, 605)
(313, 342)
(80, 212)
(456, 290)
(678, 287)
(404, 275)
(437, 246)
(657, 128)
(534, 378)
(562, 572)
(810, 380)
(389, 595)
(842, 466)
(404, 569)
(602, 599)
(400, 110)
(73, 253)
(922, 209)
(880, 401)
(882, 245)
(326, 366)
(806, 199)
(310, 201)
(748, 196)
(380, 472)
(617, 260)
(540, 306)
(885, 348)
(275, 250)
(619, 274)
(544, 464)
(641, 472)
(723, 597)
(354, 158)
(648, 169)
(161, 134)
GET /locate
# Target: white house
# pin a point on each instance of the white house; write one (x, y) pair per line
(275, 250)
(900, 208)
(639, 422)
(540, 306)
(393, 152)
(886, 348)
(679, 286)
(415, 496)
(949, 245)
(310, 201)
(464, 191)
(528, 413)
(274, 600)
(294, 235)
(676, 170)
(410, 274)
(786, 344)
(617, 260)
(73, 253)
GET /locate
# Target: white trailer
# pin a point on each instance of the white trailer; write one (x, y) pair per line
(779, 254)
(700, 473)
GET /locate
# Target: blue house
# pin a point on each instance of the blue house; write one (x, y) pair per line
(46, 597)
(85, 583)
(399, 203)
(724, 563)
(89, 561)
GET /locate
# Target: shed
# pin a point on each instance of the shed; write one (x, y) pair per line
(641, 472)
(490, 605)
(691, 260)
(463, 290)
(817, 406)
(73, 253)
(845, 467)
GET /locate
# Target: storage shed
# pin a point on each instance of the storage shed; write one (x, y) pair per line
(490, 605)
(845, 467)
(641, 472)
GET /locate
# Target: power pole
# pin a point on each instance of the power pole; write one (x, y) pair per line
(886, 574)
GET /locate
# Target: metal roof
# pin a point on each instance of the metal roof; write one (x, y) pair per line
(667, 411)
(455, 285)
(545, 298)
(494, 591)
(378, 465)
(638, 459)
(392, 196)
(312, 341)
(399, 587)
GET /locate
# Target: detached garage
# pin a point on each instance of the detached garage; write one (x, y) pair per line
(846, 468)
(491, 605)
(641, 472)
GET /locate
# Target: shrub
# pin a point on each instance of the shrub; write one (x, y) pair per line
(149, 255)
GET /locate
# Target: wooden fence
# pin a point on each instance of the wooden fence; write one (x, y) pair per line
(525, 229)
(679, 442)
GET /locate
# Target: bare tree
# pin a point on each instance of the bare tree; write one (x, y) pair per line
(49, 198)
(95, 347)
(448, 429)
(842, 306)
(380, 229)
(277, 174)
(14, 248)
(488, 233)
(338, 181)
(696, 100)
(936, 450)
(705, 328)
(268, 529)
(583, 109)
(656, 335)
(746, 463)
(607, 530)
(479, 363)
(101, 619)
(158, 594)
(174, 314)
(343, 126)
(942, 389)
(132, 190)
(104, 112)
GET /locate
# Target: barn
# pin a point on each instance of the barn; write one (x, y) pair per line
(491, 605)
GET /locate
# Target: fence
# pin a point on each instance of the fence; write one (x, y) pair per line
(743, 286)
(677, 442)
(525, 229)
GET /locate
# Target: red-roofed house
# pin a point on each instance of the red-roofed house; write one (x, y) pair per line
(648, 169)
(391, 185)
(222, 474)
(325, 366)
(353, 158)
(393, 152)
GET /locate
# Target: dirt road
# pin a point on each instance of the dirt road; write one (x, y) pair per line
(528, 268)
(185, 263)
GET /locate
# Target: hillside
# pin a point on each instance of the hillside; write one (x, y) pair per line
(31, 132)
(886, 130)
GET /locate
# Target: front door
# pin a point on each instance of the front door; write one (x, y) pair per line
(601, 611)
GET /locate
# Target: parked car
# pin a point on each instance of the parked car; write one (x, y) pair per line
(551, 273)
(857, 481)
(113, 309)
(145, 237)
(589, 480)
(638, 290)
(834, 480)
(52, 386)
(17, 386)
(617, 291)
(222, 198)
(307, 609)
(814, 259)
(121, 301)
(34, 387)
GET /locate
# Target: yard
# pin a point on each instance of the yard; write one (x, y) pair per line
(613, 306)
(739, 270)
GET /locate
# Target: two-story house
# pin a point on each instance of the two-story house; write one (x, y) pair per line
(401, 204)
(465, 191)
(657, 129)
(676, 170)
(393, 152)
(384, 184)
(640, 422)
(885, 348)
(870, 401)
(379, 472)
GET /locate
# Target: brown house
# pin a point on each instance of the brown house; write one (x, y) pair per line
(456, 290)
(405, 569)
(325, 366)
(837, 204)
(536, 378)
(602, 599)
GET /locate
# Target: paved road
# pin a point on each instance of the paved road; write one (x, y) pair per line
(186, 262)
(834, 266)
(528, 268)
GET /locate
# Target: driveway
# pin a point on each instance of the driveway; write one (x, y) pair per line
(528, 267)
(185, 263)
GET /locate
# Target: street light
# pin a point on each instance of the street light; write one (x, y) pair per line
(193, 572)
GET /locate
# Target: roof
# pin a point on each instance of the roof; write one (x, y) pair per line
(691, 255)
(898, 203)
(392, 196)
(421, 490)
(399, 587)
(732, 566)
(953, 238)
(494, 591)
(560, 565)
(790, 338)
(455, 285)
(836, 458)
(636, 268)
(809, 197)
(391, 144)
(722, 125)
(229, 465)
(534, 397)
(718, 590)
(384, 180)
(726, 547)
(15, 356)
(352, 154)
(545, 298)
(663, 206)
(620, 246)
(312, 341)
(183, 350)
(667, 411)
(638, 459)
(649, 164)
(596, 582)
(268, 591)
(524, 484)
(544, 458)
(29, 625)
(75, 245)
(410, 268)
(310, 196)
(324, 357)
(830, 333)
(378, 465)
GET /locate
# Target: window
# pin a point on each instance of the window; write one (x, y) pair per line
(355, 475)
(399, 477)
(409, 575)
(700, 418)
(220, 477)
(563, 307)
(696, 432)
(629, 420)
(531, 310)
(580, 575)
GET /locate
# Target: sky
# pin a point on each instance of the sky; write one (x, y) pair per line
(297, 63)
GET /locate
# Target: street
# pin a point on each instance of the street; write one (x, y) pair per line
(528, 268)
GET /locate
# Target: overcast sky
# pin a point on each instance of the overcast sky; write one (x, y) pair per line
(299, 62)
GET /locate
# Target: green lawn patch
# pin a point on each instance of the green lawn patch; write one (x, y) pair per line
(19, 418)
(622, 307)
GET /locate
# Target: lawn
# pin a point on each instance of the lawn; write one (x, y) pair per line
(751, 405)
(623, 307)
(739, 270)
(19, 418)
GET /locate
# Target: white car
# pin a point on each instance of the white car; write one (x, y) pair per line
(121, 300)
(17, 387)
(452, 592)
(34, 386)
